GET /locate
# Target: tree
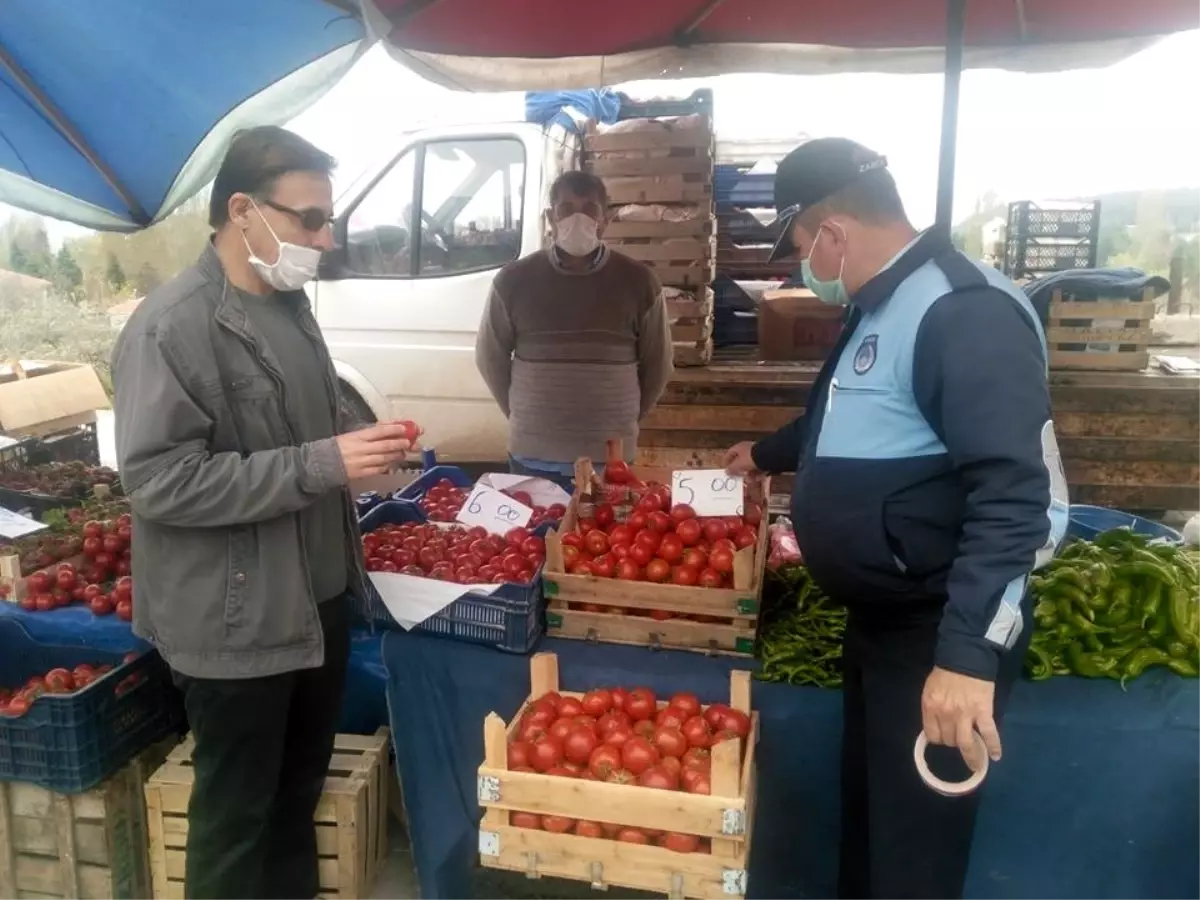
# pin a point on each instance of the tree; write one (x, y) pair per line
(68, 277)
(114, 274)
(147, 279)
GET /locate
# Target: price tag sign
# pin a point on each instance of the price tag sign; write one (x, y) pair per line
(710, 492)
(493, 510)
(13, 525)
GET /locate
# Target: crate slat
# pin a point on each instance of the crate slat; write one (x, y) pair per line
(683, 251)
(693, 189)
(649, 139)
(624, 230)
(651, 163)
(1103, 334)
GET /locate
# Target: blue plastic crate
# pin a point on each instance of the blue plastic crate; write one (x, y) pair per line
(431, 476)
(1086, 522)
(71, 742)
(512, 618)
(734, 187)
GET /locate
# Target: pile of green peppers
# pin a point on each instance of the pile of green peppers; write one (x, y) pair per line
(1115, 607)
(800, 641)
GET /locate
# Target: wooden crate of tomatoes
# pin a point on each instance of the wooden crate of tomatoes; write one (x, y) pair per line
(617, 787)
(628, 567)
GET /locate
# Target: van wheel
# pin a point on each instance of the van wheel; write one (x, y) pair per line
(354, 408)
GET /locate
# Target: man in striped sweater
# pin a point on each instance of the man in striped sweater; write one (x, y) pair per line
(575, 343)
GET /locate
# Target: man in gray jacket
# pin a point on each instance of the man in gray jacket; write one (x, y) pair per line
(246, 554)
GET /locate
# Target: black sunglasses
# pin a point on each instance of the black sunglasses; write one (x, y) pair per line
(312, 219)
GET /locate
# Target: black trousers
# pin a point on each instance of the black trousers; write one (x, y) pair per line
(262, 751)
(898, 838)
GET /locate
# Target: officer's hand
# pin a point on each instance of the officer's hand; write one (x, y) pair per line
(953, 708)
(374, 450)
(738, 459)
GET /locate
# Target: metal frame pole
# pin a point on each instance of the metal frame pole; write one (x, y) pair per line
(955, 16)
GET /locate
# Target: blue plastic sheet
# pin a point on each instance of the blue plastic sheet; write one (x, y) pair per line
(572, 109)
(1096, 796)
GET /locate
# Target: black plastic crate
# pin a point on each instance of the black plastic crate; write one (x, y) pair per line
(71, 742)
(68, 446)
(699, 103)
(512, 618)
(1028, 219)
(1033, 256)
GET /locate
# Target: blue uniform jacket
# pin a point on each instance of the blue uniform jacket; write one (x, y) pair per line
(928, 473)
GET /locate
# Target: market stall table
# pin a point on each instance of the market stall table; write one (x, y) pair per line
(364, 707)
(1096, 795)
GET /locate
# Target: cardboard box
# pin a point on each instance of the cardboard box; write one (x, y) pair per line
(794, 325)
(40, 398)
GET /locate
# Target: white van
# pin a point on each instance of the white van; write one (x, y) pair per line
(420, 239)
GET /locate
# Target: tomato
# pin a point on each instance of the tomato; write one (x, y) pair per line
(680, 843)
(659, 522)
(642, 704)
(736, 721)
(614, 718)
(621, 776)
(596, 702)
(82, 674)
(28, 603)
(636, 522)
(697, 732)
(637, 755)
(517, 536)
(560, 729)
(61, 597)
(682, 512)
(572, 539)
(412, 570)
(44, 602)
(542, 714)
(671, 548)
(710, 578)
(93, 529)
(125, 611)
(697, 758)
(752, 514)
(695, 557)
(619, 695)
(513, 567)
(685, 575)
(595, 542)
(569, 707)
(669, 717)
(588, 722)
(64, 578)
(714, 715)
(658, 570)
(641, 554)
(632, 836)
(584, 828)
(746, 537)
(620, 534)
(699, 783)
(518, 754)
(92, 546)
(670, 742)
(721, 560)
(580, 567)
(39, 583)
(17, 706)
(628, 570)
(604, 760)
(605, 515)
(579, 744)
(604, 566)
(525, 820)
(546, 753)
(59, 681)
(586, 526)
(715, 530)
(650, 503)
(657, 777)
(672, 766)
(617, 735)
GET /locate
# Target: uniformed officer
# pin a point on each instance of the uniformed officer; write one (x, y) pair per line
(928, 488)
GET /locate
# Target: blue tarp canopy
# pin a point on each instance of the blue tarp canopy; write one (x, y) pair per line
(113, 112)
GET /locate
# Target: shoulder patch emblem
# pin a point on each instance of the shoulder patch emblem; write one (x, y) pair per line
(864, 357)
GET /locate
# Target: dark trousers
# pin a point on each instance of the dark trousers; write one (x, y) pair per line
(899, 839)
(262, 751)
(566, 482)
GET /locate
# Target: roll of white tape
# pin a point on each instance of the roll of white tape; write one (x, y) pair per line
(948, 788)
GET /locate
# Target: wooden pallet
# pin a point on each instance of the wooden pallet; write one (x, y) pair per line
(651, 161)
(698, 227)
(90, 845)
(725, 817)
(693, 189)
(351, 817)
(689, 355)
(1099, 334)
(700, 305)
(621, 612)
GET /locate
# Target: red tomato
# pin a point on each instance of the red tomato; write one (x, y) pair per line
(546, 753)
(670, 742)
(628, 570)
(596, 702)
(579, 744)
(620, 534)
(658, 570)
(721, 560)
(580, 567)
(642, 704)
(695, 557)
(39, 583)
(557, 824)
(513, 566)
(618, 472)
(620, 695)
(680, 843)
(697, 758)
(584, 828)
(92, 546)
(526, 820)
(714, 715)
(699, 784)
(572, 539)
(125, 611)
(522, 497)
(64, 578)
(28, 603)
(569, 708)
(533, 546)
(746, 537)
(44, 602)
(710, 578)
(657, 777)
(685, 575)
(689, 532)
(93, 529)
(715, 530)
(604, 760)
(670, 717)
(617, 735)
(752, 515)
(681, 512)
(605, 516)
(632, 836)
(641, 553)
(614, 718)
(736, 721)
(671, 548)
(604, 566)
(560, 728)
(518, 754)
(650, 503)
(17, 706)
(516, 537)
(595, 542)
(697, 732)
(586, 526)
(636, 521)
(59, 681)
(659, 521)
(637, 755)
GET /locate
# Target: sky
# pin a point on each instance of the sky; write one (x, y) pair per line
(1025, 137)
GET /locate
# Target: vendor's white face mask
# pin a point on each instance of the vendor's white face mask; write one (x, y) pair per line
(577, 234)
(295, 267)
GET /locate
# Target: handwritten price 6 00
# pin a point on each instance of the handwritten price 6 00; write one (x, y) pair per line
(504, 512)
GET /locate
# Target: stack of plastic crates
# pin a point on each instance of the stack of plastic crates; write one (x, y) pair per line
(1039, 240)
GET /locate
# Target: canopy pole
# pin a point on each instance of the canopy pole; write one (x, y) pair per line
(955, 16)
(56, 118)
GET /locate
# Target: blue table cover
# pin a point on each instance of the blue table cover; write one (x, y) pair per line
(1097, 795)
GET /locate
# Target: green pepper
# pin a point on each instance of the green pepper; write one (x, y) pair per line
(1177, 650)
(1100, 575)
(1182, 667)
(1039, 664)
(1179, 612)
(1137, 662)
(1090, 665)
(1151, 603)
(1066, 576)
(1116, 614)
(1156, 571)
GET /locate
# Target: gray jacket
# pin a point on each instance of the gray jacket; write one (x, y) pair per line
(216, 481)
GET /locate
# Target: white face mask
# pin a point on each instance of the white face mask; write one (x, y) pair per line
(295, 267)
(576, 234)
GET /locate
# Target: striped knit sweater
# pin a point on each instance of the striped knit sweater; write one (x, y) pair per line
(574, 359)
